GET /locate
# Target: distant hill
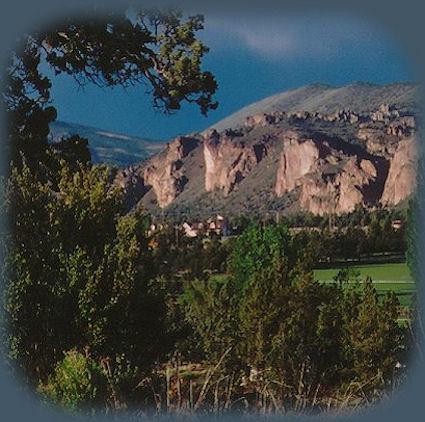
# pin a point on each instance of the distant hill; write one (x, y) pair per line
(359, 97)
(108, 147)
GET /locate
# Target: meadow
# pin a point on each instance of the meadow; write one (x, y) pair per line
(394, 277)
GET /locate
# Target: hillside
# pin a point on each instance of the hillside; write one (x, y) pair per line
(358, 97)
(286, 161)
(108, 147)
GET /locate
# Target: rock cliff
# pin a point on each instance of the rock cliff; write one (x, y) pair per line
(228, 160)
(283, 160)
(401, 178)
(298, 158)
(339, 192)
(165, 172)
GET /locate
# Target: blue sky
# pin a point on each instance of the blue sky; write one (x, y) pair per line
(251, 58)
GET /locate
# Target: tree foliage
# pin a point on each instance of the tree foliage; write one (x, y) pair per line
(78, 383)
(256, 248)
(157, 48)
(288, 330)
(211, 308)
(77, 274)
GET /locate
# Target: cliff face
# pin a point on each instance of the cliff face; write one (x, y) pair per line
(297, 159)
(401, 179)
(340, 192)
(330, 181)
(228, 161)
(165, 172)
(322, 163)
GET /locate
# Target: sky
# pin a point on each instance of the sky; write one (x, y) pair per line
(251, 58)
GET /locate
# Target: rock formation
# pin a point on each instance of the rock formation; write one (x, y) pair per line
(330, 182)
(165, 171)
(297, 159)
(317, 162)
(401, 180)
(340, 192)
(131, 181)
(228, 161)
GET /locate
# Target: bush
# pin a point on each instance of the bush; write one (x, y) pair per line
(78, 383)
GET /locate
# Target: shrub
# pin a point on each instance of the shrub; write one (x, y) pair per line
(78, 383)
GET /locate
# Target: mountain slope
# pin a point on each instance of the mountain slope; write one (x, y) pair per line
(288, 161)
(108, 147)
(358, 97)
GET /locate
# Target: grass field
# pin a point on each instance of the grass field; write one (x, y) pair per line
(386, 277)
(380, 273)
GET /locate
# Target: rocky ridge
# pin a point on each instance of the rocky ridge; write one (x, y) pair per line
(286, 161)
(359, 97)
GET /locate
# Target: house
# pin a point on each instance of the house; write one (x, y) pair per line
(154, 227)
(218, 226)
(397, 224)
(192, 230)
(189, 231)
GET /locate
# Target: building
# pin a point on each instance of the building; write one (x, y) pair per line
(219, 226)
(397, 224)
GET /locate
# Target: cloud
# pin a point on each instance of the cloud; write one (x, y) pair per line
(275, 38)
(270, 42)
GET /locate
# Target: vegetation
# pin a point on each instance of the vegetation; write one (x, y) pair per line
(127, 307)
(380, 273)
(77, 383)
(78, 273)
(156, 47)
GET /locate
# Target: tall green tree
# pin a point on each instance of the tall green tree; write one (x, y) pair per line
(35, 302)
(258, 248)
(158, 48)
(78, 274)
(376, 338)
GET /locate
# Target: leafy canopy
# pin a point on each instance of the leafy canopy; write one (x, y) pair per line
(157, 48)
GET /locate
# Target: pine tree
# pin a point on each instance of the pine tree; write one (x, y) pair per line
(392, 337)
(365, 334)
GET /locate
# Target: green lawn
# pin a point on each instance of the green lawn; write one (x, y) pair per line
(380, 273)
(386, 277)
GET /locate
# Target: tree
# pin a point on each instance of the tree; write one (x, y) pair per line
(78, 274)
(35, 300)
(257, 248)
(211, 307)
(300, 354)
(376, 338)
(156, 47)
(412, 256)
(365, 334)
(293, 332)
(392, 340)
(215, 254)
(119, 309)
(264, 306)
